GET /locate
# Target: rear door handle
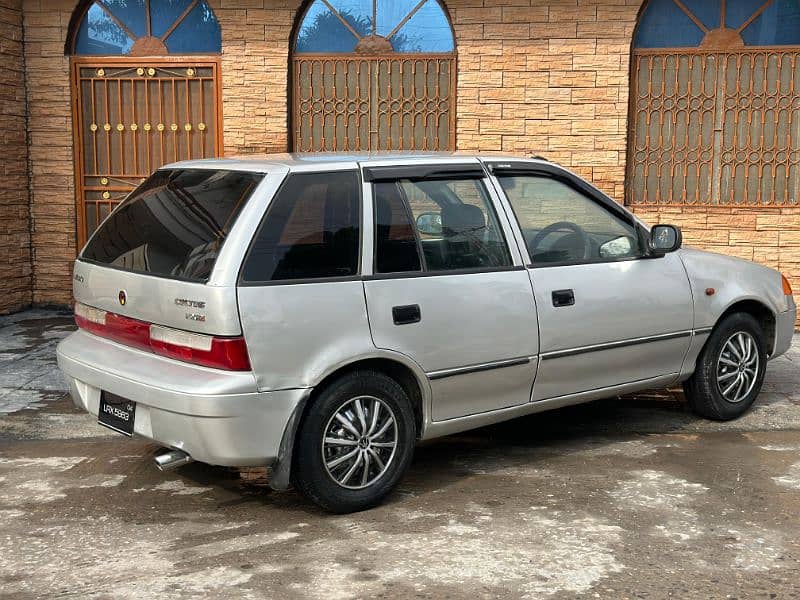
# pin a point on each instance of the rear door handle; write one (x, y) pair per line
(406, 315)
(563, 298)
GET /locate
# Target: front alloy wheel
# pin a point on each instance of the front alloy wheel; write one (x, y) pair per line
(737, 367)
(730, 369)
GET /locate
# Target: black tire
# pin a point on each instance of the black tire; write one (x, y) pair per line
(704, 390)
(311, 475)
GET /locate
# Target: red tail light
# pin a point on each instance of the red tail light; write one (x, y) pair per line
(205, 350)
(200, 349)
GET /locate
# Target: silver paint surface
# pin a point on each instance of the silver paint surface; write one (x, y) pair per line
(299, 334)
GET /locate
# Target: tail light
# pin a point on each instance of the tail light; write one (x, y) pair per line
(223, 353)
(787, 287)
(205, 350)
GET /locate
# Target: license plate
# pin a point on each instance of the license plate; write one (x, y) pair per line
(117, 413)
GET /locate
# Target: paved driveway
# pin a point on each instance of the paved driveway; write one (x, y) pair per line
(629, 497)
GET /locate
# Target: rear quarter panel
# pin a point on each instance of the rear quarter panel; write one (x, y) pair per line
(299, 333)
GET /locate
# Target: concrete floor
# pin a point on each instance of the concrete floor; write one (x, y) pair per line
(624, 498)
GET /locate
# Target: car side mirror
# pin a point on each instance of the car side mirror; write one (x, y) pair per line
(665, 239)
(430, 223)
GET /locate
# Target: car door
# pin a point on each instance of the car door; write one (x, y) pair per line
(609, 314)
(447, 289)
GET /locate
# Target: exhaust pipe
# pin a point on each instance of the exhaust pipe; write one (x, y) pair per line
(172, 460)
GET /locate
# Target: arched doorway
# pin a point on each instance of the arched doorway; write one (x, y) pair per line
(715, 103)
(146, 92)
(373, 75)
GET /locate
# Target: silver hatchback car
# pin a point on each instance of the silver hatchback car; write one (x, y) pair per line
(320, 314)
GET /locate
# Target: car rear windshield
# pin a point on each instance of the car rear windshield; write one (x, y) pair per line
(174, 224)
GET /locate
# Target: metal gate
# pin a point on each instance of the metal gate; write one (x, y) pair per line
(371, 103)
(131, 117)
(716, 127)
(715, 104)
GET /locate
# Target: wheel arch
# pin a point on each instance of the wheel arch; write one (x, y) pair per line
(764, 315)
(405, 372)
(401, 372)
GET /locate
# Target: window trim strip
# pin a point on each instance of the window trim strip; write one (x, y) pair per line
(414, 274)
(421, 172)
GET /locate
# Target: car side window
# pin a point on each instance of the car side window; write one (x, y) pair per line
(396, 244)
(562, 225)
(436, 225)
(311, 230)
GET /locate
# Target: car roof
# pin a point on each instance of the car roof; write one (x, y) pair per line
(265, 163)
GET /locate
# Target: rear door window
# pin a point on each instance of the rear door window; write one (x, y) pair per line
(174, 224)
(311, 230)
(396, 241)
(436, 225)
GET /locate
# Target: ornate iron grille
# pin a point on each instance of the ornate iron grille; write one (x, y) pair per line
(718, 124)
(367, 103)
(715, 128)
(132, 118)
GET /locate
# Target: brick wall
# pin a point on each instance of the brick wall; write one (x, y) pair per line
(764, 235)
(51, 150)
(255, 59)
(547, 78)
(535, 77)
(15, 267)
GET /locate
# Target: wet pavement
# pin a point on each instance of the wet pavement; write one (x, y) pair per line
(27, 349)
(624, 498)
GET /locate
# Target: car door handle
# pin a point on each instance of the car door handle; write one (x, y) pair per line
(563, 298)
(406, 315)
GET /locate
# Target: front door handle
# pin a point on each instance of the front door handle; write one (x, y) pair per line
(563, 298)
(406, 315)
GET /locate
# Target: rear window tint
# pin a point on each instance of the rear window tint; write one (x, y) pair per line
(396, 248)
(311, 230)
(174, 224)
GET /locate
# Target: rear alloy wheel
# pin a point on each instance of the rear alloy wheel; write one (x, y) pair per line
(730, 369)
(355, 442)
(360, 442)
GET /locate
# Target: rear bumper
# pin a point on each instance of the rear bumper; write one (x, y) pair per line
(217, 417)
(784, 330)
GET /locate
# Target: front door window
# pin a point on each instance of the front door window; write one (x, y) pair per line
(562, 225)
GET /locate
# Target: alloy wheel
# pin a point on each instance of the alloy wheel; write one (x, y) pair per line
(360, 442)
(737, 367)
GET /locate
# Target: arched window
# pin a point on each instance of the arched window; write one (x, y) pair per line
(718, 24)
(366, 26)
(715, 103)
(373, 75)
(146, 81)
(147, 28)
